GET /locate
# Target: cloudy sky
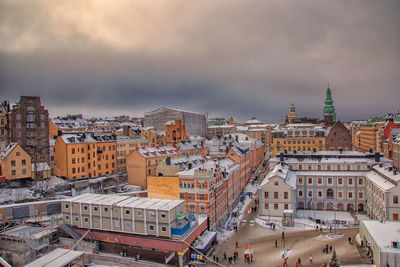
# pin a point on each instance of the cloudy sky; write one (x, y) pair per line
(228, 58)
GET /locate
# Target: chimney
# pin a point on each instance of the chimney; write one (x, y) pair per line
(59, 133)
(281, 157)
(394, 171)
(125, 130)
(237, 138)
(370, 150)
(377, 157)
(314, 150)
(168, 161)
(340, 150)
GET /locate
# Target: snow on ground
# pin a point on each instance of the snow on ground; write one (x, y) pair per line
(227, 230)
(11, 195)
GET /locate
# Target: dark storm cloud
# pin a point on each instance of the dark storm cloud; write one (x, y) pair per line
(227, 58)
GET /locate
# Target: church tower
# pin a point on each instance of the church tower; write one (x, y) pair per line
(292, 114)
(329, 109)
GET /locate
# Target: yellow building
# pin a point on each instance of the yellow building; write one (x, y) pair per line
(370, 136)
(297, 138)
(142, 163)
(126, 145)
(85, 155)
(15, 163)
(156, 138)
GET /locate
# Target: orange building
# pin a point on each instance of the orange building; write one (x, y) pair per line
(142, 163)
(372, 135)
(156, 138)
(175, 132)
(85, 155)
(15, 163)
(126, 145)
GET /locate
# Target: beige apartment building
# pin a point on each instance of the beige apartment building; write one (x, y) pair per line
(136, 215)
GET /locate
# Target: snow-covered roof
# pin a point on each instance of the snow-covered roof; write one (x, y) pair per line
(8, 150)
(41, 166)
(228, 165)
(58, 257)
(253, 121)
(152, 152)
(241, 128)
(71, 138)
(383, 177)
(170, 122)
(220, 126)
(283, 172)
(189, 145)
(71, 122)
(384, 233)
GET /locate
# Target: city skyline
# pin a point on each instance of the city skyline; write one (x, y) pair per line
(226, 59)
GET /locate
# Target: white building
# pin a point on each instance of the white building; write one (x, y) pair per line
(383, 193)
(383, 240)
(323, 180)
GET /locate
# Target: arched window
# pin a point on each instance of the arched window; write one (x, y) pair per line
(350, 207)
(329, 193)
(360, 207)
(320, 206)
(340, 206)
(329, 206)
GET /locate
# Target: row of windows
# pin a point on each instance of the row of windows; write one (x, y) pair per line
(82, 160)
(14, 172)
(328, 167)
(330, 194)
(116, 211)
(82, 149)
(276, 206)
(13, 162)
(329, 180)
(116, 223)
(276, 195)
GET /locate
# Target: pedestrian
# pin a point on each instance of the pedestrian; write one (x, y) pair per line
(224, 254)
(349, 239)
(297, 264)
(330, 228)
(237, 244)
(276, 243)
(230, 259)
(283, 236)
(251, 257)
(330, 248)
(310, 258)
(217, 259)
(327, 248)
(320, 230)
(285, 262)
(214, 258)
(273, 226)
(299, 261)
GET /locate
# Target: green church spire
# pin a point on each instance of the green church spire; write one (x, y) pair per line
(329, 109)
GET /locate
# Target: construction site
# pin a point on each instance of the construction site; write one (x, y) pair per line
(97, 229)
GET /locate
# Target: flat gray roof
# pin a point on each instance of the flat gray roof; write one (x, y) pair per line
(57, 258)
(127, 201)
